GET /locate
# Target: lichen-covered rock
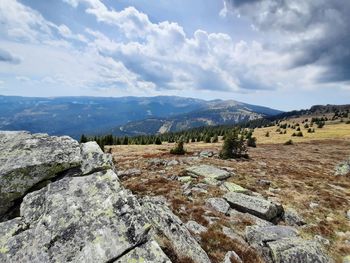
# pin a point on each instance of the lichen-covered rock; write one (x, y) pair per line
(171, 227)
(149, 252)
(208, 171)
(292, 218)
(295, 250)
(195, 228)
(255, 205)
(29, 159)
(218, 204)
(79, 219)
(261, 235)
(235, 188)
(93, 159)
(343, 168)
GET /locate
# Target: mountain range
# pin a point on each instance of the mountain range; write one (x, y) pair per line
(74, 116)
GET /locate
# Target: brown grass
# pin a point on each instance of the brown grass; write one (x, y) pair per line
(303, 173)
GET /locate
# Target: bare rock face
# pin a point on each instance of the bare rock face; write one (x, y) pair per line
(257, 206)
(27, 160)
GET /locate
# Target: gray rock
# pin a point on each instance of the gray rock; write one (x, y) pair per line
(80, 219)
(313, 205)
(322, 240)
(233, 235)
(261, 235)
(292, 218)
(343, 168)
(232, 256)
(129, 173)
(149, 252)
(348, 214)
(26, 160)
(208, 171)
(259, 207)
(172, 163)
(219, 204)
(157, 162)
(196, 228)
(263, 182)
(93, 159)
(292, 250)
(237, 217)
(232, 187)
(206, 154)
(171, 227)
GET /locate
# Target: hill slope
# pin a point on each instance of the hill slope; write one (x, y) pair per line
(93, 115)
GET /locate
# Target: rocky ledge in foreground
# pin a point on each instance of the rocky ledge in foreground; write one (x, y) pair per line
(72, 208)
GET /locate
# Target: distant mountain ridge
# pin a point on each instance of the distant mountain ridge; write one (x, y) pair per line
(99, 115)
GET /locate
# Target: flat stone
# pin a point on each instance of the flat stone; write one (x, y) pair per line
(261, 235)
(185, 179)
(129, 173)
(235, 188)
(259, 207)
(27, 160)
(218, 204)
(208, 171)
(291, 250)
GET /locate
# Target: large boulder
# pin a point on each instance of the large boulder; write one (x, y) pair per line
(78, 219)
(295, 250)
(172, 228)
(208, 171)
(257, 206)
(26, 160)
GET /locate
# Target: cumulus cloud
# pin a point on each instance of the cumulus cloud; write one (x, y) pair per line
(7, 57)
(162, 53)
(314, 32)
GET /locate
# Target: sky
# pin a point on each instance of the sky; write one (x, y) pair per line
(285, 54)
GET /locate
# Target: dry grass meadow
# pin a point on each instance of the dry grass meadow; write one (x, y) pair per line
(300, 174)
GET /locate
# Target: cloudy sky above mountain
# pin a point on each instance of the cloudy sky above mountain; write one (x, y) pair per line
(284, 54)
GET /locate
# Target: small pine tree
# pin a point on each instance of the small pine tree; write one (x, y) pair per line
(179, 149)
(289, 142)
(158, 141)
(234, 147)
(267, 134)
(83, 139)
(207, 139)
(215, 139)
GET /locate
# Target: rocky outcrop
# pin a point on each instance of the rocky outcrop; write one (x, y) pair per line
(27, 160)
(257, 206)
(78, 211)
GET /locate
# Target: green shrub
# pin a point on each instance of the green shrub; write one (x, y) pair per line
(299, 134)
(267, 134)
(289, 142)
(179, 149)
(234, 147)
(251, 142)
